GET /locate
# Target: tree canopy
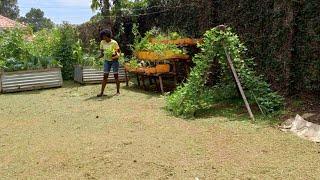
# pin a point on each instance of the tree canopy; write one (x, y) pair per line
(108, 7)
(9, 8)
(35, 18)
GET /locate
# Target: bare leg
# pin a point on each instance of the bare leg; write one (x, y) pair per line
(104, 83)
(116, 77)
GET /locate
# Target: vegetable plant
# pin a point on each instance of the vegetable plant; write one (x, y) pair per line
(17, 52)
(144, 44)
(194, 95)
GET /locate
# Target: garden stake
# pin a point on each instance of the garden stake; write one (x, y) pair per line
(238, 83)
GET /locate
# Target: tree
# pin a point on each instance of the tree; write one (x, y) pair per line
(9, 8)
(35, 18)
(103, 5)
(108, 7)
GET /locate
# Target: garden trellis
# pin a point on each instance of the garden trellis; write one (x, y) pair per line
(194, 95)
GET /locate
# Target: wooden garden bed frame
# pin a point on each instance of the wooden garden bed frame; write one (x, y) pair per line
(154, 56)
(30, 80)
(141, 76)
(179, 42)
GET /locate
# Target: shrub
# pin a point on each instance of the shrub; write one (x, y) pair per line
(64, 50)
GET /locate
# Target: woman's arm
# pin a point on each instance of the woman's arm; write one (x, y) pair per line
(101, 54)
(116, 55)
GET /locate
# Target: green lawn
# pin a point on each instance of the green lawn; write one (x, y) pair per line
(67, 133)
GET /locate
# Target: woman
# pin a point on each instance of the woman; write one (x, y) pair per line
(108, 45)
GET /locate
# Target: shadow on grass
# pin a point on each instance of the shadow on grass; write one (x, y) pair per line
(29, 92)
(104, 97)
(235, 110)
(238, 112)
(136, 89)
(70, 84)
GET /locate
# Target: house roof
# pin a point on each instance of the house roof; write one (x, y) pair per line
(8, 23)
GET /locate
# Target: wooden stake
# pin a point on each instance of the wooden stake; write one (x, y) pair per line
(235, 75)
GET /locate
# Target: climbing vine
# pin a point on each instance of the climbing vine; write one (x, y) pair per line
(194, 95)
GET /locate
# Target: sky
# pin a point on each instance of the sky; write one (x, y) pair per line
(72, 11)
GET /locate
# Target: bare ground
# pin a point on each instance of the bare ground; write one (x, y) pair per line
(67, 133)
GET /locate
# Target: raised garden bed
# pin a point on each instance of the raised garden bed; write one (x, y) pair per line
(155, 56)
(91, 75)
(179, 42)
(30, 80)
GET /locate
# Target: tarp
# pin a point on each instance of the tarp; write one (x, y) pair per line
(302, 128)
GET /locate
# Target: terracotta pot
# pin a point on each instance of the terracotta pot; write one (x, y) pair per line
(141, 70)
(163, 68)
(146, 55)
(150, 70)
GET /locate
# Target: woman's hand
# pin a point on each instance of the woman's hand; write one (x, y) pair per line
(115, 56)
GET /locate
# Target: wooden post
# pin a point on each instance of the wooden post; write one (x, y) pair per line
(161, 84)
(1, 73)
(126, 76)
(175, 78)
(138, 79)
(235, 75)
(143, 82)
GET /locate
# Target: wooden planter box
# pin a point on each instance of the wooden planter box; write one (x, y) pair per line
(30, 80)
(90, 75)
(180, 42)
(154, 56)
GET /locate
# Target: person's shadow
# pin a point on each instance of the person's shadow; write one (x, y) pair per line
(104, 97)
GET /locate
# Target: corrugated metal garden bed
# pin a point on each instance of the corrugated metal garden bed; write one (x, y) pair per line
(91, 75)
(30, 80)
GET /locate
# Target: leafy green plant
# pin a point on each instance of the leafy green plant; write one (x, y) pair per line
(78, 53)
(63, 52)
(194, 95)
(44, 42)
(144, 44)
(123, 59)
(17, 52)
(108, 52)
(93, 47)
(13, 45)
(134, 62)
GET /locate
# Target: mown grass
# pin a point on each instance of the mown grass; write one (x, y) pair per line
(68, 133)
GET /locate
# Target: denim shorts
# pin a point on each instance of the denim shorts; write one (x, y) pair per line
(111, 64)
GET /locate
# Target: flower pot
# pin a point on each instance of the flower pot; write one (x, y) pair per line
(147, 55)
(163, 68)
(181, 42)
(150, 70)
(154, 56)
(141, 70)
